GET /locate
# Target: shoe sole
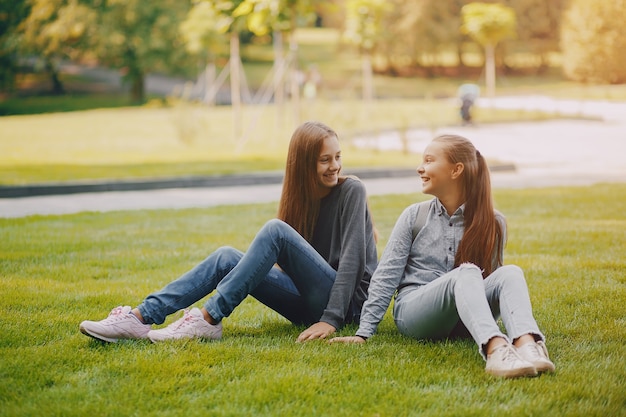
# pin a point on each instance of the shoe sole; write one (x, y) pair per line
(183, 338)
(544, 368)
(97, 337)
(514, 373)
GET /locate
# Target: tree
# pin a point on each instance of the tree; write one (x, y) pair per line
(539, 27)
(138, 37)
(419, 34)
(282, 18)
(364, 28)
(594, 41)
(201, 37)
(260, 17)
(401, 22)
(12, 13)
(488, 24)
(55, 30)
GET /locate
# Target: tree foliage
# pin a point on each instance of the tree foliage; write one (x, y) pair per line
(594, 41)
(488, 24)
(417, 32)
(199, 30)
(364, 28)
(539, 26)
(420, 34)
(12, 13)
(140, 37)
(405, 37)
(56, 30)
(364, 22)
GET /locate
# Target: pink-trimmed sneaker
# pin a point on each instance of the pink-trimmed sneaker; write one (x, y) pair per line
(191, 326)
(120, 324)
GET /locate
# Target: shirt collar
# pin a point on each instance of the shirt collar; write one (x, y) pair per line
(440, 209)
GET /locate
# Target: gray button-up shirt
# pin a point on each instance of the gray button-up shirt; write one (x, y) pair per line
(407, 264)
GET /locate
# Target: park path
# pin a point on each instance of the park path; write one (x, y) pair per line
(556, 152)
(592, 144)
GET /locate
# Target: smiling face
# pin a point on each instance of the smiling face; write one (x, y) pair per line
(438, 174)
(328, 165)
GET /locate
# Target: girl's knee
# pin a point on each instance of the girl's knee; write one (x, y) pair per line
(512, 269)
(510, 272)
(274, 226)
(508, 276)
(464, 277)
(468, 266)
(227, 256)
(469, 270)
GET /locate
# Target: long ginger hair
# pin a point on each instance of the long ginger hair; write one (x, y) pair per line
(299, 205)
(483, 233)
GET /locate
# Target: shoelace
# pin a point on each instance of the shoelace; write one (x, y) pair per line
(184, 321)
(535, 351)
(116, 314)
(510, 354)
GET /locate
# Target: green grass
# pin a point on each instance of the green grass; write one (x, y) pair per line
(58, 270)
(142, 142)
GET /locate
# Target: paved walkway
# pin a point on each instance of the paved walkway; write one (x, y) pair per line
(557, 152)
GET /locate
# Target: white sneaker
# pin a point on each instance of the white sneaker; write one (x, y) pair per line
(121, 324)
(191, 326)
(504, 361)
(537, 354)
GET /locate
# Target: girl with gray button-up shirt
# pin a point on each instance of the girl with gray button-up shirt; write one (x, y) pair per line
(449, 278)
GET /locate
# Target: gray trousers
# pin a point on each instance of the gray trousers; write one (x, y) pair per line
(434, 310)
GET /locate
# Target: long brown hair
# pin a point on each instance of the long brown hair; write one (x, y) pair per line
(299, 206)
(483, 233)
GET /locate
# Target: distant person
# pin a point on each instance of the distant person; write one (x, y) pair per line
(444, 267)
(312, 264)
(468, 94)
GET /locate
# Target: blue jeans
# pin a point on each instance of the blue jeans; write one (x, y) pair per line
(433, 310)
(299, 290)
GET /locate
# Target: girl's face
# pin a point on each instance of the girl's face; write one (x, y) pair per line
(436, 171)
(328, 165)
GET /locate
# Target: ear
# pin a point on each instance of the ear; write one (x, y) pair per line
(458, 170)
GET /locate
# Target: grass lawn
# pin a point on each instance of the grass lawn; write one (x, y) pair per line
(59, 270)
(186, 139)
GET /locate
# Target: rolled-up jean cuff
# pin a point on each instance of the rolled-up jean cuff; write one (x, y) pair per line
(147, 316)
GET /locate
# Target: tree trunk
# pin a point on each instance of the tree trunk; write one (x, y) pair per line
(137, 89)
(490, 70)
(210, 73)
(460, 57)
(279, 80)
(368, 78)
(296, 76)
(235, 84)
(57, 85)
(279, 63)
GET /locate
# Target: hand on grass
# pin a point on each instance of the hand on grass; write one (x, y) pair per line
(319, 330)
(347, 339)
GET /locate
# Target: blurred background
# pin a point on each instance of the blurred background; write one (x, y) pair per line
(93, 89)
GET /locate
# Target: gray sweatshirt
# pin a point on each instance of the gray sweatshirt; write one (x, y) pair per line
(344, 237)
